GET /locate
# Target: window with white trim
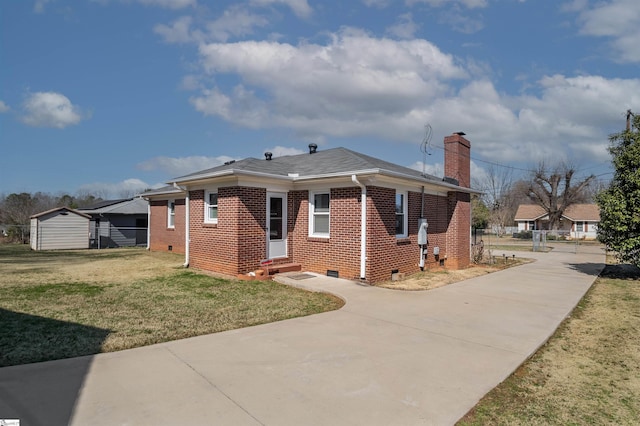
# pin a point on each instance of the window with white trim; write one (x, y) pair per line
(211, 207)
(579, 226)
(401, 214)
(171, 214)
(319, 216)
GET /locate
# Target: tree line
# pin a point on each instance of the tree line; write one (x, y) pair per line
(552, 187)
(16, 210)
(557, 187)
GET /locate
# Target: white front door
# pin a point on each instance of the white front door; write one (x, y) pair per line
(276, 225)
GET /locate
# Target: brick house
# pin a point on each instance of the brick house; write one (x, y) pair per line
(335, 211)
(578, 221)
(166, 219)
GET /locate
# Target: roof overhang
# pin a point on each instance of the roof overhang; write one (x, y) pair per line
(295, 180)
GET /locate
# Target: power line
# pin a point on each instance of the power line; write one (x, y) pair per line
(509, 167)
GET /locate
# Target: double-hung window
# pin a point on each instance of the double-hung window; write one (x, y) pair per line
(579, 226)
(319, 214)
(211, 207)
(171, 214)
(401, 214)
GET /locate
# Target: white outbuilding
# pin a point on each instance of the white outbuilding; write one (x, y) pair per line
(58, 229)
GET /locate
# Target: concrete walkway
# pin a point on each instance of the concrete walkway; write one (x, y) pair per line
(387, 358)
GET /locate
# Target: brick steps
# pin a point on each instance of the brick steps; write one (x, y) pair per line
(268, 271)
(285, 267)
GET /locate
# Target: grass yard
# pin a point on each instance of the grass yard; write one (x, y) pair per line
(64, 304)
(589, 371)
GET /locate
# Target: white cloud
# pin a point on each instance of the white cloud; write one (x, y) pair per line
(471, 4)
(300, 7)
(50, 109)
(281, 151)
(335, 89)
(177, 32)
(170, 4)
(179, 166)
(4, 107)
(437, 169)
(405, 28)
(461, 22)
(38, 6)
(618, 20)
(380, 4)
(356, 85)
(124, 189)
(236, 21)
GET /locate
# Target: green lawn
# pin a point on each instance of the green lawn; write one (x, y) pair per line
(69, 303)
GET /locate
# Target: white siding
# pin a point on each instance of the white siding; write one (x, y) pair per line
(60, 230)
(34, 234)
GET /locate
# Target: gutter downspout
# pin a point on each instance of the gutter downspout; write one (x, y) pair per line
(186, 224)
(187, 228)
(363, 227)
(148, 224)
(422, 250)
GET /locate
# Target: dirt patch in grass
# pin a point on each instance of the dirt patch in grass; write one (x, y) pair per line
(435, 278)
(588, 372)
(57, 305)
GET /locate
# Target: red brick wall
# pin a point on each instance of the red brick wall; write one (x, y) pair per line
(161, 236)
(236, 244)
(250, 203)
(385, 252)
(341, 251)
(457, 159)
(459, 232)
(435, 211)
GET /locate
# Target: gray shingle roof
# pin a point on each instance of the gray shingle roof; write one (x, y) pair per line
(165, 190)
(336, 161)
(130, 206)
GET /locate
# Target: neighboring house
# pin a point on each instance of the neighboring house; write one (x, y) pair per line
(578, 220)
(118, 223)
(61, 228)
(336, 211)
(166, 219)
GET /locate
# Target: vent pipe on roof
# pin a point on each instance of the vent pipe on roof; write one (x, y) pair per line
(313, 148)
(267, 156)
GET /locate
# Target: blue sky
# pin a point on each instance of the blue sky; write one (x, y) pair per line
(112, 96)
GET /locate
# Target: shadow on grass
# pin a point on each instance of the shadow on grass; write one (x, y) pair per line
(622, 272)
(43, 393)
(587, 268)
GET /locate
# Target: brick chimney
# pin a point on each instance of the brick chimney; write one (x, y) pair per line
(457, 165)
(457, 158)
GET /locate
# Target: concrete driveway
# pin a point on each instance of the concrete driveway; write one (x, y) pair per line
(387, 358)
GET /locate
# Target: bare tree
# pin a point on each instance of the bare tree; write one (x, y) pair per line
(17, 209)
(553, 190)
(497, 187)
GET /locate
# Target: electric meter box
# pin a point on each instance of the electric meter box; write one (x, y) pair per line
(422, 231)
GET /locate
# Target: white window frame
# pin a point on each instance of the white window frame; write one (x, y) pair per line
(580, 226)
(207, 197)
(313, 214)
(405, 212)
(171, 214)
